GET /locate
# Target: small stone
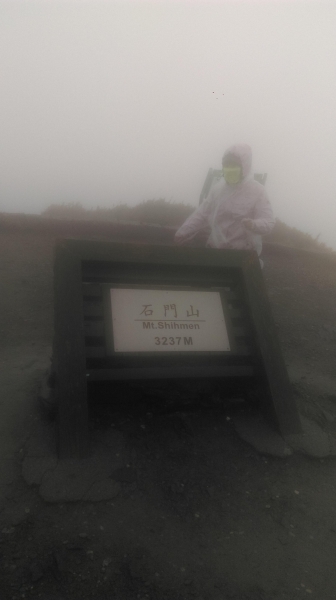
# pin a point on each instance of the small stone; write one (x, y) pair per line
(83, 535)
(8, 530)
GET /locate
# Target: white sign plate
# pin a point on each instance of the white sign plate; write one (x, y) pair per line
(167, 321)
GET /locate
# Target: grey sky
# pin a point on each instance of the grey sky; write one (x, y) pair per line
(104, 103)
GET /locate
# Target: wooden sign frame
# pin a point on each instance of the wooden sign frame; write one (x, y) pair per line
(85, 270)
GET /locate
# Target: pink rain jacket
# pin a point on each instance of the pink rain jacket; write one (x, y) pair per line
(225, 207)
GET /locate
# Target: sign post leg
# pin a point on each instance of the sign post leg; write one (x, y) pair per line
(69, 354)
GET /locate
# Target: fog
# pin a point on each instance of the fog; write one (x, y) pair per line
(105, 102)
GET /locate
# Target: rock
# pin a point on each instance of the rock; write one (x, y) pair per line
(42, 441)
(313, 441)
(102, 490)
(19, 516)
(34, 468)
(259, 434)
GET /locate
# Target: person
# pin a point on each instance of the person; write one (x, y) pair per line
(237, 211)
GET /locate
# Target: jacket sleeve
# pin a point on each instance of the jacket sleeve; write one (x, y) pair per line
(197, 221)
(263, 218)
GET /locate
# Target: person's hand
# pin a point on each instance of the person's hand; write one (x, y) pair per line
(249, 224)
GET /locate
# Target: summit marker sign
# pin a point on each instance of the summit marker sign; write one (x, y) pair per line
(152, 320)
(130, 312)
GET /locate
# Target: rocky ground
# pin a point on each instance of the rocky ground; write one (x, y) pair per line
(194, 512)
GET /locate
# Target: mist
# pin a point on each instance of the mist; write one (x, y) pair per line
(105, 103)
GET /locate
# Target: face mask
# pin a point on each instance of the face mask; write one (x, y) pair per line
(232, 175)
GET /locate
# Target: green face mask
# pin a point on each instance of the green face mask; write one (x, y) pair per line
(232, 175)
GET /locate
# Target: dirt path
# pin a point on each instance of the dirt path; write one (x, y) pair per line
(198, 513)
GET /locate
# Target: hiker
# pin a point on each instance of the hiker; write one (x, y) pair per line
(236, 212)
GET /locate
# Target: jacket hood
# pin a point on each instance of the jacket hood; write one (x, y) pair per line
(244, 153)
